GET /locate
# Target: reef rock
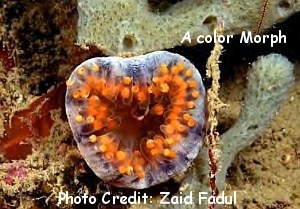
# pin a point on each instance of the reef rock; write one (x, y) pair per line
(119, 26)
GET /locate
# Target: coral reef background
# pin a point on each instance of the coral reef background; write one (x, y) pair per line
(38, 55)
(163, 24)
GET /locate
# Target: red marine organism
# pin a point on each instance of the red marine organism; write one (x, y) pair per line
(33, 122)
(137, 121)
(6, 58)
(15, 172)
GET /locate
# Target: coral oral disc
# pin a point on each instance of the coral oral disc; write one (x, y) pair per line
(137, 121)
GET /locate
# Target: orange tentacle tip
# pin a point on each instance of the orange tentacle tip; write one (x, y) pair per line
(121, 155)
(158, 109)
(163, 69)
(137, 121)
(126, 80)
(169, 153)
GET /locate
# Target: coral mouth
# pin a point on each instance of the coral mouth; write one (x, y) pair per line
(137, 122)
